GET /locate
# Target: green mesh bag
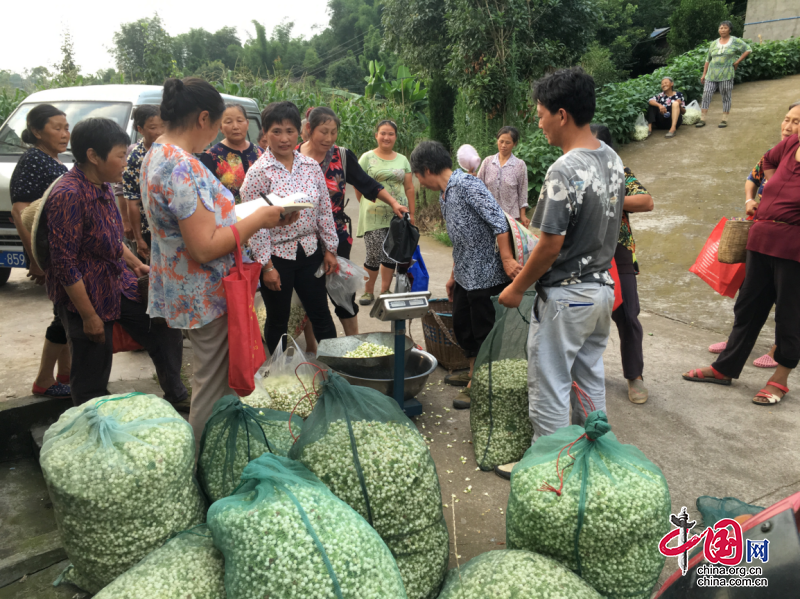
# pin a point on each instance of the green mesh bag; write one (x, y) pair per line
(187, 566)
(285, 535)
(119, 471)
(498, 415)
(366, 450)
(234, 435)
(597, 506)
(510, 574)
(714, 509)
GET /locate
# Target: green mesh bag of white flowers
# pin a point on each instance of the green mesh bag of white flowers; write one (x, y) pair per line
(119, 471)
(366, 450)
(515, 574)
(285, 535)
(498, 416)
(597, 506)
(234, 435)
(188, 566)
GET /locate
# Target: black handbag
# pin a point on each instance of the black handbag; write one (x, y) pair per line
(402, 240)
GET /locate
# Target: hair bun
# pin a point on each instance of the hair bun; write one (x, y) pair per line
(28, 137)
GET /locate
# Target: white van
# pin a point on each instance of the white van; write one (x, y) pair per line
(115, 102)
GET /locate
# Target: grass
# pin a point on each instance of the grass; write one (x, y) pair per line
(440, 235)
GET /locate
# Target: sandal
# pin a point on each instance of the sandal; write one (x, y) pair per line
(697, 376)
(723, 124)
(670, 134)
(718, 348)
(699, 124)
(770, 397)
(57, 391)
(765, 361)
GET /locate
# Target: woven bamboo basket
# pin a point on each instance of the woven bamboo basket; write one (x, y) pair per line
(733, 243)
(440, 338)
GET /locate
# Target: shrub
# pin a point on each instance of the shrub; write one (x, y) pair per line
(598, 63)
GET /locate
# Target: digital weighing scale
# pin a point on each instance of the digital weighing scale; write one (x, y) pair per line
(397, 308)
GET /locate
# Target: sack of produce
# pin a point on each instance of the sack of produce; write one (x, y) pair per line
(285, 535)
(692, 114)
(119, 470)
(508, 574)
(366, 450)
(187, 566)
(236, 434)
(641, 130)
(597, 506)
(498, 416)
(289, 382)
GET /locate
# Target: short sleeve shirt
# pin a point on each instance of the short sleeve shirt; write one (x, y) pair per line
(582, 199)
(667, 101)
(508, 183)
(33, 174)
(132, 180)
(186, 293)
(721, 58)
(473, 220)
(230, 166)
(373, 215)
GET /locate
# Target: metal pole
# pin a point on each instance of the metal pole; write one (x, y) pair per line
(399, 361)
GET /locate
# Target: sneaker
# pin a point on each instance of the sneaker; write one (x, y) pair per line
(57, 391)
(699, 124)
(458, 379)
(670, 134)
(366, 299)
(504, 470)
(462, 404)
(723, 124)
(637, 392)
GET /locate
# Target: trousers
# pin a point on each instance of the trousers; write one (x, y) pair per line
(473, 316)
(91, 362)
(297, 275)
(725, 90)
(565, 344)
(626, 317)
(768, 281)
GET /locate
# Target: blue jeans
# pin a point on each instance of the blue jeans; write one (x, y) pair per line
(566, 344)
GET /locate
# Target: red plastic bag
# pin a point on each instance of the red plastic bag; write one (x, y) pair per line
(617, 286)
(245, 349)
(725, 279)
(122, 341)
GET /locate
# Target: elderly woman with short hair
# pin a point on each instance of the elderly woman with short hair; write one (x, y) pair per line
(91, 275)
(665, 110)
(722, 59)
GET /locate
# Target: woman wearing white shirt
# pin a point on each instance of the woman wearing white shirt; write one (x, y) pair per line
(506, 176)
(290, 255)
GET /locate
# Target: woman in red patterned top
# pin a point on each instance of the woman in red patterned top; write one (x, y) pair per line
(340, 167)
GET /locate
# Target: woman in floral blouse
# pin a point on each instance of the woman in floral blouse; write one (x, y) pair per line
(340, 167)
(626, 317)
(231, 158)
(291, 254)
(506, 176)
(192, 218)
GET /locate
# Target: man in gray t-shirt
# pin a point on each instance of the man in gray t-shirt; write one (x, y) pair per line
(582, 199)
(579, 215)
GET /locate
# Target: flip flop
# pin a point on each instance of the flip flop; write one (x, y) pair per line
(699, 124)
(696, 376)
(765, 361)
(718, 348)
(723, 124)
(671, 134)
(771, 398)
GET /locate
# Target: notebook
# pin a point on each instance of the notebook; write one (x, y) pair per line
(291, 203)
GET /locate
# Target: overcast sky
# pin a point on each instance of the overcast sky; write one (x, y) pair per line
(32, 30)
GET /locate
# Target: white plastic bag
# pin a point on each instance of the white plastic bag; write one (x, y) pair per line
(343, 284)
(692, 114)
(640, 129)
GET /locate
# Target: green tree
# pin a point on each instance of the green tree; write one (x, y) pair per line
(143, 51)
(696, 21)
(346, 74)
(66, 70)
(597, 61)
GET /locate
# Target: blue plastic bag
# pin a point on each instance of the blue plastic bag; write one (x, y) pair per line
(419, 272)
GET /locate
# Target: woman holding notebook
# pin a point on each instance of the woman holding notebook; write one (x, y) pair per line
(290, 255)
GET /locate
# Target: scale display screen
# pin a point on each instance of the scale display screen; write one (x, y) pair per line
(419, 302)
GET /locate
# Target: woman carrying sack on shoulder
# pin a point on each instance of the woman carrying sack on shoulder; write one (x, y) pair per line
(393, 171)
(191, 217)
(340, 167)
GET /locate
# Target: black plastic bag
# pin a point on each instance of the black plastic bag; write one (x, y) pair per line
(401, 241)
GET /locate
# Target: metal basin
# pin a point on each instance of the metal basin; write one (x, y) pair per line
(331, 351)
(419, 366)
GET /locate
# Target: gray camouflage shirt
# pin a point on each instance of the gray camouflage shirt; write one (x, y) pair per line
(582, 199)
